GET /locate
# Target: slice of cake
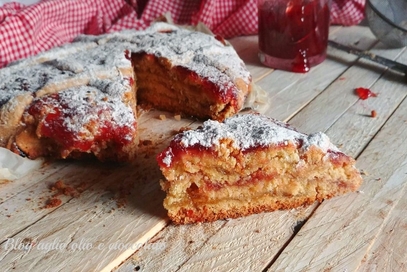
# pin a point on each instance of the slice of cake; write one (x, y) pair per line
(249, 164)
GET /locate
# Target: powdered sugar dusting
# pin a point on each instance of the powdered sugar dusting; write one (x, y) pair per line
(95, 63)
(252, 130)
(15, 81)
(167, 159)
(101, 56)
(320, 140)
(199, 52)
(88, 107)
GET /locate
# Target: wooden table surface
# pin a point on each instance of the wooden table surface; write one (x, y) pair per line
(114, 219)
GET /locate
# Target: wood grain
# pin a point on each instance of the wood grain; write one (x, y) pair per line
(342, 231)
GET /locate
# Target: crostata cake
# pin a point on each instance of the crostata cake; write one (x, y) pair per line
(80, 99)
(249, 164)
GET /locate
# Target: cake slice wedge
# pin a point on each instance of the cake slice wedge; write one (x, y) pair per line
(249, 164)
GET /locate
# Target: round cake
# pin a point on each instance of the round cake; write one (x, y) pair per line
(67, 102)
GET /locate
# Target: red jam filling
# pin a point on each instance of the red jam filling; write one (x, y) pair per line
(53, 114)
(176, 151)
(131, 81)
(206, 85)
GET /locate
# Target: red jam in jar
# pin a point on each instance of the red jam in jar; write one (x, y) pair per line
(293, 34)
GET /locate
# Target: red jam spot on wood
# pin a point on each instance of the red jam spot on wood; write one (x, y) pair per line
(364, 93)
(293, 37)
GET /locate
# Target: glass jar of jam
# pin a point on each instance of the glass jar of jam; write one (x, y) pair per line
(293, 34)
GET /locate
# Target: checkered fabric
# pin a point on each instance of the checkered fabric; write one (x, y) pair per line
(347, 13)
(28, 30)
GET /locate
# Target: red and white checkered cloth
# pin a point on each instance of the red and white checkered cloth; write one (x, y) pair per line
(28, 30)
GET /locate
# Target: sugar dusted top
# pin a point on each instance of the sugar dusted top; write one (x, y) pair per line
(80, 115)
(102, 56)
(247, 131)
(202, 53)
(33, 75)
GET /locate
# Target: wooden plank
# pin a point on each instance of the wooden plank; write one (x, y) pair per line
(328, 107)
(342, 230)
(388, 253)
(248, 244)
(27, 207)
(244, 244)
(391, 90)
(11, 188)
(170, 248)
(93, 217)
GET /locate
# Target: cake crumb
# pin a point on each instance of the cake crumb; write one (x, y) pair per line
(182, 129)
(52, 203)
(62, 189)
(177, 117)
(364, 173)
(162, 117)
(373, 114)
